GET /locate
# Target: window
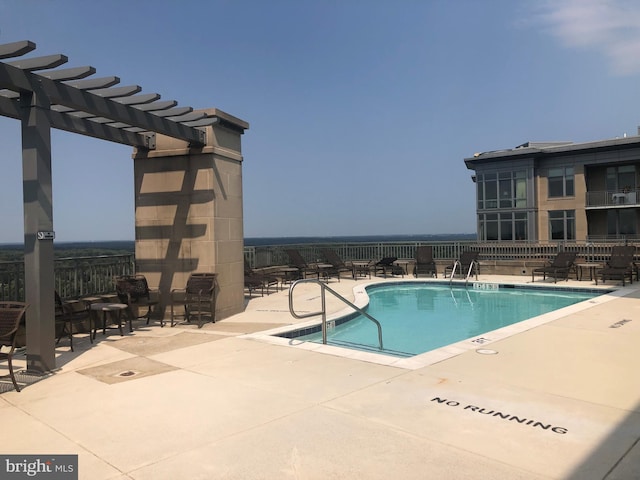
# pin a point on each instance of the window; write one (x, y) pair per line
(621, 222)
(505, 226)
(561, 182)
(504, 190)
(621, 178)
(562, 225)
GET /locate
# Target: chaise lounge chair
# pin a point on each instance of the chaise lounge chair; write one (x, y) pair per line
(425, 263)
(467, 265)
(338, 266)
(560, 267)
(620, 265)
(386, 266)
(296, 260)
(254, 281)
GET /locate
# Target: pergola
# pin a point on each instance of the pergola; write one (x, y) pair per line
(71, 99)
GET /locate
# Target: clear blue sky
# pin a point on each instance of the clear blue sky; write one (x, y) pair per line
(361, 111)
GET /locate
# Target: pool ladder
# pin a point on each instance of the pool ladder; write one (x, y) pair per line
(471, 269)
(323, 289)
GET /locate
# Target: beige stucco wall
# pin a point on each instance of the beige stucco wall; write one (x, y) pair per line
(577, 203)
(189, 214)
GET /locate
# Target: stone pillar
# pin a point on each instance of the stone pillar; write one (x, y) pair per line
(188, 204)
(38, 231)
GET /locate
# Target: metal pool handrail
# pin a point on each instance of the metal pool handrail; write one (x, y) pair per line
(471, 266)
(323, 312)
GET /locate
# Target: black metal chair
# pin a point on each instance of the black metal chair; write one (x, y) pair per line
(198, 298)
(134, 291)
(70, 317)
(11, 314)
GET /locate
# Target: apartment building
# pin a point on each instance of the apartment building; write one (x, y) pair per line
(559, 191)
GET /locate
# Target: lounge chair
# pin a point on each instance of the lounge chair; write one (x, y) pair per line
(620, 265)
(560, 267)
(425, 265)
(254, 280)
(466, 265)
(386, 266)
(296, 260)
(198, 298)
(134, 291)
(11, 314)
(336, 262)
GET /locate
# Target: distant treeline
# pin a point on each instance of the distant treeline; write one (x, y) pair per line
(15, 252)
(444, 237)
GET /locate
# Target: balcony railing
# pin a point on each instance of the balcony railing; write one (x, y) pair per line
(613, 198)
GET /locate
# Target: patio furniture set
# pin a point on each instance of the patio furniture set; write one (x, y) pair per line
(133, 300)
(331, 265)
(621, 265)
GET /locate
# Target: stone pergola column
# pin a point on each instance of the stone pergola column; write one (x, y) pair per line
(188, 212)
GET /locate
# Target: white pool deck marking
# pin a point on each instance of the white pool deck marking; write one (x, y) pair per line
(559, 400)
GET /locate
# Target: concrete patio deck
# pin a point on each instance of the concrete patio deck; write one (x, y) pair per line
(560, 400)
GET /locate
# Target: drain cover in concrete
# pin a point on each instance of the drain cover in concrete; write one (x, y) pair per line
(145, 346)
(125, 370)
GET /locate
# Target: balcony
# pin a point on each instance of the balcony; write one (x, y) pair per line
(612, 199)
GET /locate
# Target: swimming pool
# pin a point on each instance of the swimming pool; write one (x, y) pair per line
(420, 317)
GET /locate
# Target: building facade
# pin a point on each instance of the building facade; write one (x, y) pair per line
(559, 191)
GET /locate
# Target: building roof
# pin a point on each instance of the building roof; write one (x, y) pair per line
(540, 149)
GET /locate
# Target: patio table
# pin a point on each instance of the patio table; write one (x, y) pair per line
(288, 275)
(591, 267)
(324, 270)
(104, 308)
(361, 268)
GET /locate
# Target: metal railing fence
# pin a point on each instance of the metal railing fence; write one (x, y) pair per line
(270, 255)
(85, 276)
(74, 277)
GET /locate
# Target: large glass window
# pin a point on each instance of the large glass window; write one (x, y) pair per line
(561, 182)
(520, 226)
(562, 225)
(504, 226)
(502, 190)
(621, 178)
(621, 222)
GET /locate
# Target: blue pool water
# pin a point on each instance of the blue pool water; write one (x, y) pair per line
(419, 317)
